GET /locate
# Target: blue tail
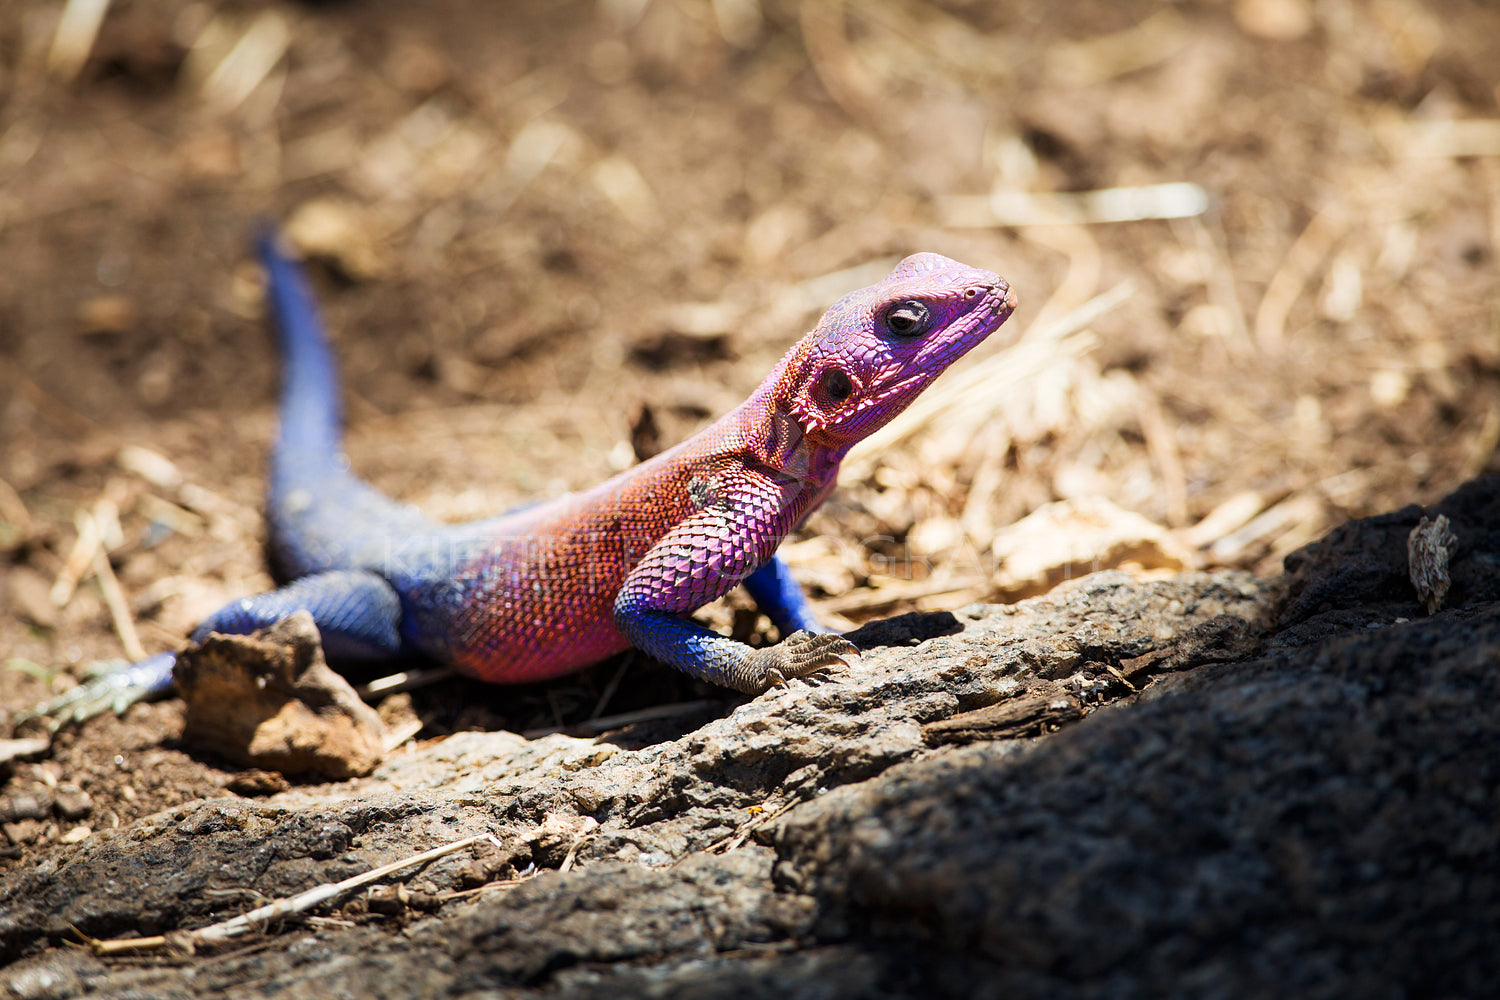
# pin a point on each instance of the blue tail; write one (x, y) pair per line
(322, 517)
(334, 535)
(311, 417)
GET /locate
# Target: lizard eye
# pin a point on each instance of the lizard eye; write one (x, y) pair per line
(837, 385)
(907, 319)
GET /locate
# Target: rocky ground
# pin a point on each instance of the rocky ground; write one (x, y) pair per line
(1208, 785)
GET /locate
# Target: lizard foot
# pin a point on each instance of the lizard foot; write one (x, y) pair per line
(798, 655)
(114, 690)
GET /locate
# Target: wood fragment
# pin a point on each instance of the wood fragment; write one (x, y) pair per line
(1428, 549)
(1119, 675)
(1010, 719)
(1220, 639)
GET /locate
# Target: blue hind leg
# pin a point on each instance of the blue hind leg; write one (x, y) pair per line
(781, 598)
(357, 613)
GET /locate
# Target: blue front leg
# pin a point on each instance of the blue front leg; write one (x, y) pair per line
(702, 653)
(781, 598)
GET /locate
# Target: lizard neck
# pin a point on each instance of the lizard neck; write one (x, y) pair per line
(774, 437)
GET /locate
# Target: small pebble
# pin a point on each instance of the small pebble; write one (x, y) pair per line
(73, 803)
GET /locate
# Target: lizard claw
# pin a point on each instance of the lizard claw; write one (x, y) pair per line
(798, 655)
(113, 688)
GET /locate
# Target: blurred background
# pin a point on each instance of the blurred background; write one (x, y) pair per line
(1254, 243)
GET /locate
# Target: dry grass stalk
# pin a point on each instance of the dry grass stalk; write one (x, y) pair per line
(1228, 516)
(1105, 57)
(1294, 514)
(248, 62)
(1007, 207)
(1085, 268)
(88, 541)
(1449, 138)
(119, 608)
(825, 36)
(605, 723)
(76, 31)
(881, 594)
(394, 738)
(262, 917)
(406, 680)
(1296, 271)
(13, 510)
(1161, 444)
(589, 825)
(1209, 244)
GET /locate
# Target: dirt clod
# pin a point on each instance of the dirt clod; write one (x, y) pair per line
(268, 700)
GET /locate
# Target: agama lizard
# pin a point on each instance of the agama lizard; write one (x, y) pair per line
(555, 586)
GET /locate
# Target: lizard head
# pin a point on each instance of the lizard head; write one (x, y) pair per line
(876, 349)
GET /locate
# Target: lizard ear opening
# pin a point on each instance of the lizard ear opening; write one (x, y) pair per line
(837, 385)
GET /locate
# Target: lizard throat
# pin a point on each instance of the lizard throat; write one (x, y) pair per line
(793, 452)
